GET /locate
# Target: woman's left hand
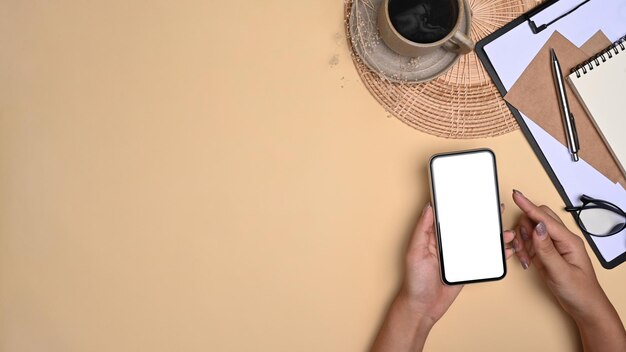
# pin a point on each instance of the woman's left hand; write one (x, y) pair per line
(422, 288)
(423, 297)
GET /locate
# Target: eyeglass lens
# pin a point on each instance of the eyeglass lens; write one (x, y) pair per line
(600, 222)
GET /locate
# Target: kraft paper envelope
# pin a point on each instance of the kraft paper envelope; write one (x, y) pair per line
(535, 95)
(595, 44)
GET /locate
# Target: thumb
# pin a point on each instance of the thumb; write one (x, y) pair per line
(423, 230)
(549, 256)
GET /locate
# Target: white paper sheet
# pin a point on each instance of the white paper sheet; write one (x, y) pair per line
(512, 52)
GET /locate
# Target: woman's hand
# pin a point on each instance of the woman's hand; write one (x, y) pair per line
(423, 298)
(559, 255)
(422, 288)
(563, 263)
(422, 285)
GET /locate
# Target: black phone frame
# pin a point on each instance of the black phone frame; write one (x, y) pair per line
(434, 205)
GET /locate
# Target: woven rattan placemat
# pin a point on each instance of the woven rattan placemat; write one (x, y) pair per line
(463, 103)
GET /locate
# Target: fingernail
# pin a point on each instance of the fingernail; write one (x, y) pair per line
(541, 230)
(524, 233)
(516, 245)
(426, 208)
(525, 263)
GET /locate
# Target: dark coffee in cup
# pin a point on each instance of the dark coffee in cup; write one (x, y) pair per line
(423, 21)
(414, 28)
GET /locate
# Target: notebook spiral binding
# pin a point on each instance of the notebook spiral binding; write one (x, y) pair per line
(615, 48)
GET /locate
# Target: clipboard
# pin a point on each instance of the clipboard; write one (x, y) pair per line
(534, 26)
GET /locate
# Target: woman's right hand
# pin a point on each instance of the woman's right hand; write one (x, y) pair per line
(559, 255)
(562, 261)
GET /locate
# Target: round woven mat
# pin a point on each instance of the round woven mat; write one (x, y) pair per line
(463, 102)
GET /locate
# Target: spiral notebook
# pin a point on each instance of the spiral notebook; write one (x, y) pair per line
(599, 83)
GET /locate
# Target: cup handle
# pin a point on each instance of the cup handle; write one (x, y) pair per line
(459, 43)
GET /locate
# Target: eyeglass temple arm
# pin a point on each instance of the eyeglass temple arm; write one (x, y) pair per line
(584, 199)
(597, 205)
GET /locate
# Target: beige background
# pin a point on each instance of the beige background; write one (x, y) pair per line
(213, 176)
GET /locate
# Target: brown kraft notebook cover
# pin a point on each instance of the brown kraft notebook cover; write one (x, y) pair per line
(534, 94)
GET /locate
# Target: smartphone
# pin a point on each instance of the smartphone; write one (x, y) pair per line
(468, 222)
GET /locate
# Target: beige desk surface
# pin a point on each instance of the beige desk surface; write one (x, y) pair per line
(213, 176)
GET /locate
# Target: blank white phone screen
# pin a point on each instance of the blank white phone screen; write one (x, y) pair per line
(467, 211)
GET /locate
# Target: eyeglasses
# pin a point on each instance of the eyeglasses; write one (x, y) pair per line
(598, 217)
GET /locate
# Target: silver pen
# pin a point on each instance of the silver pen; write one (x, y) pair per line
(566, 113)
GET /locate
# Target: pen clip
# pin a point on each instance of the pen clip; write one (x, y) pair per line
(574, 130)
